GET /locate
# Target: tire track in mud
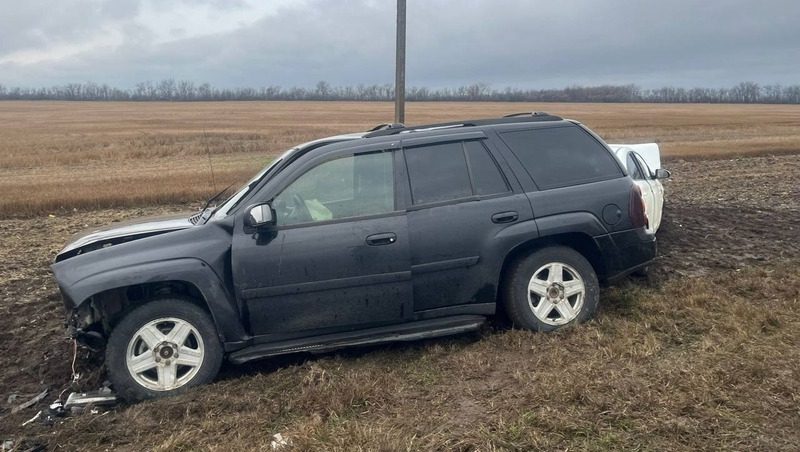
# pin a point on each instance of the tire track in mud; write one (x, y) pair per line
(728, 214)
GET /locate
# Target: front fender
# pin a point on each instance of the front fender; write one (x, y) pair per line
(79, 284)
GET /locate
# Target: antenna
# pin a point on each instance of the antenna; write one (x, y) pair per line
(210, 164)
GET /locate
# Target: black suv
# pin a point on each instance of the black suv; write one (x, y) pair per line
(395, 234)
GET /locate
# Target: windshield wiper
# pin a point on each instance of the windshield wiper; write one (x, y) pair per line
(213, 198)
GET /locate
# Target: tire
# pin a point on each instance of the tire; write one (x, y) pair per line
(162, 348)
(538, 301)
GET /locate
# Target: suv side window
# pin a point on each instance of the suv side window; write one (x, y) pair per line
(561, 156)
(352, 186)
(438, 172)
(443, 172)
(486, 176)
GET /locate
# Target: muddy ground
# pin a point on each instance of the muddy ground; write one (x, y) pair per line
(723, 218)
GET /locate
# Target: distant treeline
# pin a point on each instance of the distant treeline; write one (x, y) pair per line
(183, 90)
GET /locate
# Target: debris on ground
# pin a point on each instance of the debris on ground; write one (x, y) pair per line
(56, 408)
(37, 416)
(77, 401)
(54, 411)
(30, 402)
(279, 442)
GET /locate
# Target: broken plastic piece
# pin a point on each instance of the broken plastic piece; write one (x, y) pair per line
(57, 409)
(103, 397)
(32, 419)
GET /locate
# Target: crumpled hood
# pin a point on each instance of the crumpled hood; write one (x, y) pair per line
(134, 229)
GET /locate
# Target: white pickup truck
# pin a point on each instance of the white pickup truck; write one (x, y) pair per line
(643, 162)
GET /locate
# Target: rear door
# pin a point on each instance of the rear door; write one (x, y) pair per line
(460, 200)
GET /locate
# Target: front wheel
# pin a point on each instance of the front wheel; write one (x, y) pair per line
(162, 348)
(551, 288)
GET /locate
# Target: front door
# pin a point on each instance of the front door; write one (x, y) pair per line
(338, 257)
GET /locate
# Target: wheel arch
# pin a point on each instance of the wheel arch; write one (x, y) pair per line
(107, 296)
(578, 241)
(106, 308)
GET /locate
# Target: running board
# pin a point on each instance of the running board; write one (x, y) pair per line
(410, 331)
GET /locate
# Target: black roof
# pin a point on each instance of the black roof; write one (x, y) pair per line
(393, 129)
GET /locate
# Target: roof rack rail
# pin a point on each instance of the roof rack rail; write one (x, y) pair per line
(394, 129)
(387, 126)
(527, 113)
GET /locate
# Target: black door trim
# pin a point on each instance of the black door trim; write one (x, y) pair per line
(445, 265)
(329, 284)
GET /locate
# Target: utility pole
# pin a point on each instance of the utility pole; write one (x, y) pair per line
(400, 65)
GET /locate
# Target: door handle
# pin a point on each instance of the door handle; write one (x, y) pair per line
(505, 217)
(384, 238)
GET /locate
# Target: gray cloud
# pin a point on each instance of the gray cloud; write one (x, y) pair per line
(35, 24)
(451, 42)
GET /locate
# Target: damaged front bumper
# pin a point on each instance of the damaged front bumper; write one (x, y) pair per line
(81, 324)
(93, 340)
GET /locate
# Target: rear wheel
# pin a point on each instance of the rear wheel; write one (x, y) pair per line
(162, 348)
(551, 288)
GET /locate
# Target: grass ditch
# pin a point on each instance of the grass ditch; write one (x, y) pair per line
(688, 363)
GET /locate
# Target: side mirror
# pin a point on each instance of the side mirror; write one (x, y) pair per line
(661, 173)
(260, 216)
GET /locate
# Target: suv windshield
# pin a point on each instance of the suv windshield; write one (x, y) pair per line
(224, 208)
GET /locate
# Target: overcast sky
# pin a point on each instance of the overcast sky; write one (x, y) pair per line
(521, 43)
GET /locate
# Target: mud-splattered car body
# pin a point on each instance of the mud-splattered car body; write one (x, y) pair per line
(379, 247)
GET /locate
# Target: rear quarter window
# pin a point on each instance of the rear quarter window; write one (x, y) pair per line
(486, 176)
(561, 156)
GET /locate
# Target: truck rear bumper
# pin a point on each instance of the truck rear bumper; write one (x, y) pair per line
(626, 251)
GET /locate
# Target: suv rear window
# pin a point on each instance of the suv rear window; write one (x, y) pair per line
(561, 156)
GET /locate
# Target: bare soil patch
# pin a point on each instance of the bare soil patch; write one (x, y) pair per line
(730, 214)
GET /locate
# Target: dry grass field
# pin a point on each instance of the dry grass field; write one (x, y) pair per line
(704, 354)
(58, 156)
